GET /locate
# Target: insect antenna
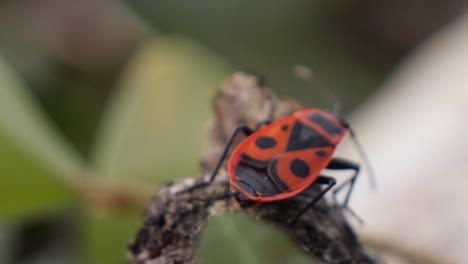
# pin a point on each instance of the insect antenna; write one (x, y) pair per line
(310, 76)
(364, 158)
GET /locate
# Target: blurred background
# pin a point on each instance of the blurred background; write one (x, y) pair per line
(101, 101)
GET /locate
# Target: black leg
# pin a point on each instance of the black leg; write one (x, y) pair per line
(247, 131)
(342, 164)
(329, 181)
(261, 124)
(242, 128)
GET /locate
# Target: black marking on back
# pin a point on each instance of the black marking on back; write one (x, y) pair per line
(285, 127)
(330, 127)
(305, 137)
(246, 187)
(261, 164)
(273, 172)
(255, 181)
(321, 153)
(299, 168)
(265, 142)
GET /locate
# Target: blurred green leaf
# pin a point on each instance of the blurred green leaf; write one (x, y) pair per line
(23, 120)
(154, 124)
(105, 236)
(32, 153)
(26, 188)
(238, 239)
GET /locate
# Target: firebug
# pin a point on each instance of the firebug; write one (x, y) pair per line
(281, 159)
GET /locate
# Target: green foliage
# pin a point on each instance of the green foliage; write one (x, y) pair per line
(23, 121)
(238, 239)
(33, 156)
(26, 186)
(163, 100)
(154, 102)
(148, 129)
(105, 236)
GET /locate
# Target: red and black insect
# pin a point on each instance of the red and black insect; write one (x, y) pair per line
(283, 158)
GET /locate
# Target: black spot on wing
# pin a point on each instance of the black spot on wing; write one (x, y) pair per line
(299, 168)
(255, 181)
(305, 137)
(285, 127)
(330, 127)
(321, 153)
(265, 142)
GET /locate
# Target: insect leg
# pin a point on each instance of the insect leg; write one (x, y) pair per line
(263, 123)
(242, 128)
(343, 164)
(329, 181)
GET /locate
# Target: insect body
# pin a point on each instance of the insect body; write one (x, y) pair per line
(282, 159)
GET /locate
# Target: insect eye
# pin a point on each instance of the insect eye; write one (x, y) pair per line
(344, 122)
